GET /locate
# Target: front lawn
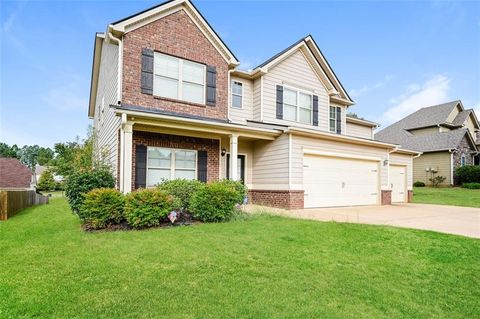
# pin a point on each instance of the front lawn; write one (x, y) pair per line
(447, 196)
(262, 267)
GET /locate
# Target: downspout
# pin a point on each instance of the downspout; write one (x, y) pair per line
(122, 151)
(229, 88)
(388, 167)
(120, 60)
(451, 165)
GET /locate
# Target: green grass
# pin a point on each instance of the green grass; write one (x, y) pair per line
(261, 267)
(447, 196)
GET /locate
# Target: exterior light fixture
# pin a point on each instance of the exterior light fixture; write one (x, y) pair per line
(224, 151)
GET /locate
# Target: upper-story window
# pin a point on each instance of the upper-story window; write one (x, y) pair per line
(333, 119)
(297, 106)
(237, 94)
(179, 79)
(463, 160)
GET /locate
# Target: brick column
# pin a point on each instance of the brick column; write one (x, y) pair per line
(386, 197)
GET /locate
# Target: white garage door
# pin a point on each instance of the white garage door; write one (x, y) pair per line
(334, 181)
(398, 183)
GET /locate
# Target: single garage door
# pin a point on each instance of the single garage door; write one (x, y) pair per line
(336, 181)
(398, 181)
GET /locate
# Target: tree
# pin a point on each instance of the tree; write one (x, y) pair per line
(45, 156)
(64, 157)
(46, 182)
(29, 157)
(354, 115)
(8, 151)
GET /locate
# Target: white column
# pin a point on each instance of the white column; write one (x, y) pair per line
(233, 157)
(127, 130)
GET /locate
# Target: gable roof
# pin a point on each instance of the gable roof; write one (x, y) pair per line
(13, 174)
(359, 121)
(308, 43)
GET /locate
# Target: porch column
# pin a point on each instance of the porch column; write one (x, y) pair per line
(233, 157)
(127, 147)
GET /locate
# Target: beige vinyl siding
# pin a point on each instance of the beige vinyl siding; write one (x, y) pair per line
(425, 131)
(240, 115)
(295, 72)
(404, 160)
(442, 129)
(299, 143)
(106, 124)
(244, 148)
(358, 130)
(453, 114)
(270, 164)
(256, 99)
(471, 127)
(438, 160)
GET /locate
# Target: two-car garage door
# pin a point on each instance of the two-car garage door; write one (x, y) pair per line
(336, 181)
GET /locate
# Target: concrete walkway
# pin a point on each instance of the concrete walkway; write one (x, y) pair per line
(456, 220)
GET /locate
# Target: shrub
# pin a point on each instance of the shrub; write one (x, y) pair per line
(102, 207)
(182, 189)
(239, 188)
(471, 185)
(419, 184)
(214, 203)
(80, 183)
(468, 174)
(147, 207)
(46, 181)
(437, 180)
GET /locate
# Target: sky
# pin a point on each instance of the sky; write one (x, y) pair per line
(393, 57)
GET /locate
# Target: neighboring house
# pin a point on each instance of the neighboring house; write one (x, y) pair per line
(40, 169)
(168, 101)
(13, 174)
(446, 134)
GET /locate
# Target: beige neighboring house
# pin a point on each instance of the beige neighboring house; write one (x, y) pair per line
(447, 135)
(168, 100)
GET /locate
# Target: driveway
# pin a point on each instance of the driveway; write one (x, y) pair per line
(456, 220)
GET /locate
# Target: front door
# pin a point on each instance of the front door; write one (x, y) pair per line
(240, 167)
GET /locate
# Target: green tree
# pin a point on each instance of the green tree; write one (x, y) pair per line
(29, 157)
(46, 182)
(45, 156)
(8, 151)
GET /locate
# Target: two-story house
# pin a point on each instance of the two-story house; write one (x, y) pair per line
(447, 134)
(168, 101)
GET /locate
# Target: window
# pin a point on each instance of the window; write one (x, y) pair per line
(178, 79)
(333, 119)
(164, 163)
(297, 106)
(463, 160)
(237, 94)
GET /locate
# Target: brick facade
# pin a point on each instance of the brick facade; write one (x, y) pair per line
(279, 199)
(175, 34)
(180, 142)
(386, 197)
(463, 148)
(410, 196)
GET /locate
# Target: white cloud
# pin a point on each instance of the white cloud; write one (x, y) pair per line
(66, 97)
(434, 91)
(355, 93)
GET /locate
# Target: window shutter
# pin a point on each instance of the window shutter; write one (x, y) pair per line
(211, 85)
(315, 110)
(140, 166)
(280, 102)
(202, 166)
(147, 71)
(339, 120)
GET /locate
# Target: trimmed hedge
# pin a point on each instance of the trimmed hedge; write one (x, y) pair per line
(468, 174)
(419, 184)
(102, 207)
(182, 189)
(148, 207)
(80, 183)
(214, 203)
(239, 188)
(471, 185)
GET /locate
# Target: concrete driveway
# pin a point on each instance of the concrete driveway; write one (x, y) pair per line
(446, 219)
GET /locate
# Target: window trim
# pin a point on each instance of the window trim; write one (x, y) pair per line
(180, 79)
(463, 160)
(236, 94)
(297, 115)
(334, 118)
(172, 163)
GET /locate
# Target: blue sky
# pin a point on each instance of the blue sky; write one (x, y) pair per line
(392, 57)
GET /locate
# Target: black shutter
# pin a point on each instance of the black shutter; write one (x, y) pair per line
(211, 85)
(140, 166)
(315, 110)
(202, 166)
(280, 102)
(147, 71)
(339, 120)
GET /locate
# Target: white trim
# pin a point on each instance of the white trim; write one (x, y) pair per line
(309, 151)
(297, 115)
(240, 95)
(238, 154)
(451, 168)
(261, 99)
(290, 151)
(172, 163)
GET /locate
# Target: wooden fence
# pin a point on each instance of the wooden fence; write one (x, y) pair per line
(13, 200)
